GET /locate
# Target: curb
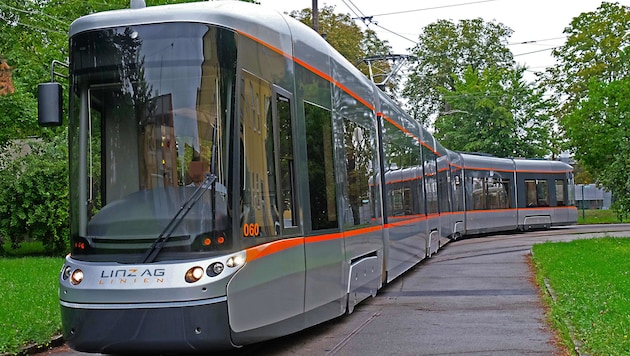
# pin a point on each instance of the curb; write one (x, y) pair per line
(33, 349)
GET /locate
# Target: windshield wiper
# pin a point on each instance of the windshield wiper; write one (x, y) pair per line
(150, 255)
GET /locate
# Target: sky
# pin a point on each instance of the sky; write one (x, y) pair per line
(537, 24)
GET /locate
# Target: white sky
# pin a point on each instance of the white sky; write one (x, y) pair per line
(538, 22)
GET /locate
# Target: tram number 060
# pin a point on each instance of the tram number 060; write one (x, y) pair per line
(251, 230)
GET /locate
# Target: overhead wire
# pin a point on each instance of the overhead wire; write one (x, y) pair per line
(369, 20)
(434, 8)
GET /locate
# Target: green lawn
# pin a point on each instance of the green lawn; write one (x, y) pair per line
(590, 280)
(30, 305)
(600, 217)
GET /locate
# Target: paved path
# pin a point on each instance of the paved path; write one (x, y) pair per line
(475, 297)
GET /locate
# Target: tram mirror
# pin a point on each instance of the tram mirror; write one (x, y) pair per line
(49, 103)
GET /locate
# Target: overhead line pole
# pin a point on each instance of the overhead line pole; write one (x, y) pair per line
(315, 16)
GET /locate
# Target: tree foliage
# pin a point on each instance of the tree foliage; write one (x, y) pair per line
(467, 76)
(593, 78)
(34, 194)
(600, 127)
(444, 52)
(496, 112)
(596, 48)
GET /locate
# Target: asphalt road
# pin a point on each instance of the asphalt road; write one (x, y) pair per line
(475, 297)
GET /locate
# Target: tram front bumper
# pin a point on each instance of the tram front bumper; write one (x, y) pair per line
(176, 328)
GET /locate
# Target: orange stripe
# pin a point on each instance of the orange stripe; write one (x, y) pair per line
(259, 251)
(270, 248)
(409, 134)
(512, 170)
(540, 171)
(256, 252)
(309, 67)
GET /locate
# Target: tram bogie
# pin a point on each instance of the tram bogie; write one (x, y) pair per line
(234, 179)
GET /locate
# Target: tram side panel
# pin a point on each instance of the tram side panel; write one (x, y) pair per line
(544, 194)
(321, 173)
(359, 199)
(445, 196)
(431, 194)
(458, 214)
(404, 209)
(490, 194)
(256, 309)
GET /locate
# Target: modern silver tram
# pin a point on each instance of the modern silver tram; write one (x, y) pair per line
(235, 179)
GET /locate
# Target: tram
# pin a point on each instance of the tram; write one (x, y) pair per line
(234, 179)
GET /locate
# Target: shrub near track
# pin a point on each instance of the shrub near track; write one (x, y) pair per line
(29, 305)
(590, 280)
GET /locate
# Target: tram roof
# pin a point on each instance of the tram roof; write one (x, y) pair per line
(266, 24)
(533, 165)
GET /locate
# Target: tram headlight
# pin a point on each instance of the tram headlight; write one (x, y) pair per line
(194, 274)
(236, 260)
(76, 277)
(65, 272)
(215, 269)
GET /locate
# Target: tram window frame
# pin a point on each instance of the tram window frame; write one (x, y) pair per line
(480, 185)
(503, 198)
(402, 155)
(429, 169)
(536, 193)
(283, 111)
(560, 194)
(259, 206)
(359, 163)
(321, 167)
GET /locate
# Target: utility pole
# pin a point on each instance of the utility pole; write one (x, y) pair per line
(315, 16)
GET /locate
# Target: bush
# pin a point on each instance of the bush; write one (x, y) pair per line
(34, 195)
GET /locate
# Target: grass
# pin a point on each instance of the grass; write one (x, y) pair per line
(591, 284)
(600, 217)
(29, 305)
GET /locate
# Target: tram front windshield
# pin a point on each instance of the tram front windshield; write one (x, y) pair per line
(150, 122)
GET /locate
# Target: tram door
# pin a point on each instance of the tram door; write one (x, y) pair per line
(269, 289)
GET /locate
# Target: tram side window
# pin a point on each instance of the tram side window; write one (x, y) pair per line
(430, 180)
(358, 153)
(443, 190)
(321, 168)
(536, 192)
(287, 169)
(478, 195)
(490, 193)
(560, 192)
(498, 193)
(260, 216)
(403, 175)
(571, 189)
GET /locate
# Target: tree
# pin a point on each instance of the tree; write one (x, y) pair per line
(599, 126)
(496, 113)
(592, 78)
(444, 52)
(467, 77)
(596, 47)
